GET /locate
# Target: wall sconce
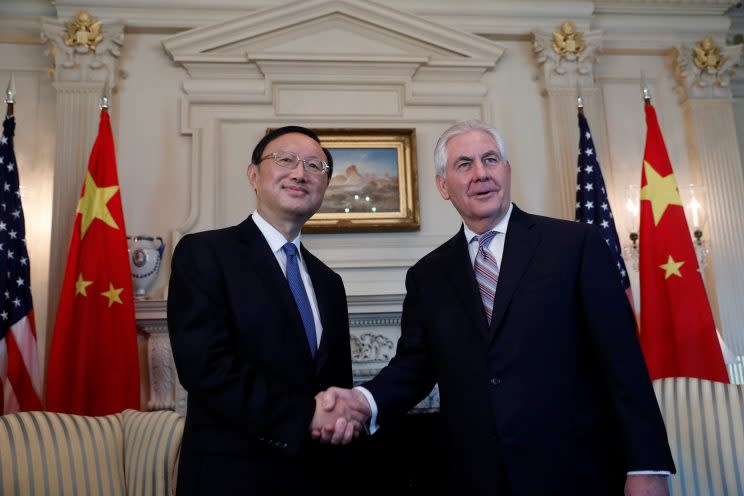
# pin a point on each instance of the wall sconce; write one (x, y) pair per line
(633, 207)
(696, 219)
(691, 199)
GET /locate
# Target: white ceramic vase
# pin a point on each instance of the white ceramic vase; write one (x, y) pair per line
(145, 255)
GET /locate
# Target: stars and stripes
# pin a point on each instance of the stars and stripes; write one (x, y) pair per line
(592, 205)
(20, 377)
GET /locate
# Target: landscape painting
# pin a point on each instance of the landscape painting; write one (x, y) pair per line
(364, 180)
(373, 187)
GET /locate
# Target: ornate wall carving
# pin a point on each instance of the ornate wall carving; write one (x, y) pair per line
(373, 342)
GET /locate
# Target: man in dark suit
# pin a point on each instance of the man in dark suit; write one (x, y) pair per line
(258, 327)
(523, 323)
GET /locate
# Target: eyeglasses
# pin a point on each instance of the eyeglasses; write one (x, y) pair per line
(289, 160)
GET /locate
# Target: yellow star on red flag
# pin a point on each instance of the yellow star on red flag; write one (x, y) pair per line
(92, 205)
(671, 268)
(661, 191)
(677, 330)
(81, 284)
(112, 294)
(95, 332)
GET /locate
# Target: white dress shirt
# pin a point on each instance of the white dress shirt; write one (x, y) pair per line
(496, 247)
(276, 240)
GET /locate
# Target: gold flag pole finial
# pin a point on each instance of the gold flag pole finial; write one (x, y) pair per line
(644, 88)
(105, 103)
(10, 95)
(579, 99)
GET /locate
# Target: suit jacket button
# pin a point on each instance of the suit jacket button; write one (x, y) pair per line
(495, 381)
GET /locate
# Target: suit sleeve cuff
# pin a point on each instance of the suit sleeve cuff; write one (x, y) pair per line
(372, 406)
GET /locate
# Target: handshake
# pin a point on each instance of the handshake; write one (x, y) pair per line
(339, 415)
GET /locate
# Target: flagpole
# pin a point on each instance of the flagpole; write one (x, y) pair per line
(644, 89)
(10, 96)
(579, 99)
(104, 102)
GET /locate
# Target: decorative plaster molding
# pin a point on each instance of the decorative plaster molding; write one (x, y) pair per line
(656, 34)
(78, 64)
(564, 70)
(163, 377)
(705, 82)
(20, 30)
(512, 17)
(371, 347)
(257, 68)
(365, 310)
(371, 339)
(661, 7)
(389, 33)
(374, 320)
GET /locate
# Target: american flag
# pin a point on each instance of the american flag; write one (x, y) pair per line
(592, 205)
(20, 377)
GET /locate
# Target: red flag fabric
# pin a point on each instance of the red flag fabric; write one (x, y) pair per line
(678, 334)
(20, 376)
(93, 363)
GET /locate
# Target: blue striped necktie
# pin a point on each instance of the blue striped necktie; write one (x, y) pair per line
(300, 295)
(486, 272)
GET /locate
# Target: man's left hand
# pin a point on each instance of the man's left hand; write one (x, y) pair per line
(646, 485)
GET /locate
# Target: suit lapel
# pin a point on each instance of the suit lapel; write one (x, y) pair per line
(459, 270)
(314, 269)
(519, 248)
(263, 261)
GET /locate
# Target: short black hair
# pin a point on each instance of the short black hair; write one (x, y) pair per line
(280, 131)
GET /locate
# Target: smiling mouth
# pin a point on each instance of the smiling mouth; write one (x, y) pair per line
(295, 190)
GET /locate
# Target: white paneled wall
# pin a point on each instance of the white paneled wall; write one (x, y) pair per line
(184, 129)
(34, 148)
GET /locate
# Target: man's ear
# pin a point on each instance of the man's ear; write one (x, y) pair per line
(442, 186)
(252, 172)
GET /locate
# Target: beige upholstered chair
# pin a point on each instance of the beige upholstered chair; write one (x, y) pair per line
(129, 453)
(705, 424)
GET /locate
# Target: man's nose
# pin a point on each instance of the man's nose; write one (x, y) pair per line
(479, 169)
(299, 172)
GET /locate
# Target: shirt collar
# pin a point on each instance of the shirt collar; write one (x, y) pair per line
(275, 239)
(500, 227)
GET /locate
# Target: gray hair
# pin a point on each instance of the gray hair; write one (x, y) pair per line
(440, 151)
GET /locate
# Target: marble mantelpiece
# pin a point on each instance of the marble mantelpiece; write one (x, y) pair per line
(374, 325)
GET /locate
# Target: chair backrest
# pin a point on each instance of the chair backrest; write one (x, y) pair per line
(152, 443)
(61, 454)
(705, 425)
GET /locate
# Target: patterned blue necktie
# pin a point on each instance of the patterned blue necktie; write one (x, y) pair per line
(300, 295)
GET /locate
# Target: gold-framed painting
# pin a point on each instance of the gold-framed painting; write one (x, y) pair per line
(373, 187)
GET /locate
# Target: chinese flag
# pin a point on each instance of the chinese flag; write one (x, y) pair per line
(678, 335)
(93, 362)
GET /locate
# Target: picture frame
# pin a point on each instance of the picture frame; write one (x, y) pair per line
(374, 183)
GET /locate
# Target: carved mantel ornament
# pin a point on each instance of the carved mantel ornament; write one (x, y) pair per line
(566, 52)
(83, 32)
(84, 49)
(705, 70)
(567, 41)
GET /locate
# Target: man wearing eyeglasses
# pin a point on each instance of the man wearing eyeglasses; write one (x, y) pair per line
(259, 327)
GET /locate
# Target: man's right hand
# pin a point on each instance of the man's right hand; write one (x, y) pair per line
(339, 415)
